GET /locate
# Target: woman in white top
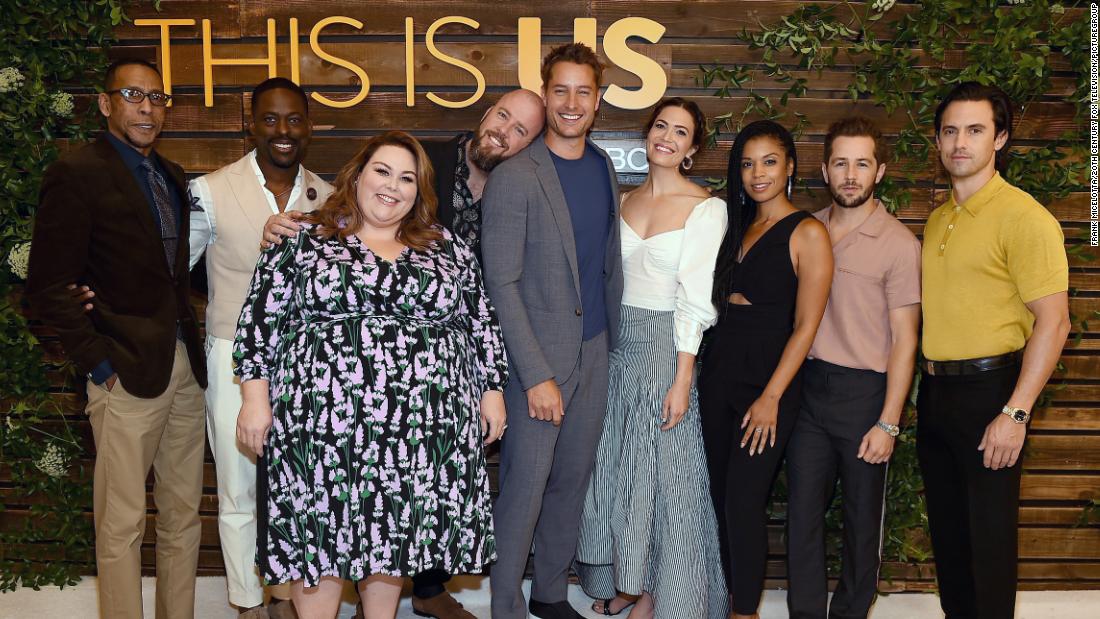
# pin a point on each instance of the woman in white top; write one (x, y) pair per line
(648, 535)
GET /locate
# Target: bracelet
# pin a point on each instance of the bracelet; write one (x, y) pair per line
(888, 428)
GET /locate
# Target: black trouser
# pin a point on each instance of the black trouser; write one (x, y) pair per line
(839, 406)
(738, 364)
(972, 511)
(429, 583)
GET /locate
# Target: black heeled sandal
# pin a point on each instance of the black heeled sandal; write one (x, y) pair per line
(607, 607)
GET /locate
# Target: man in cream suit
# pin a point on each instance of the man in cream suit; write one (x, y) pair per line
(227, 222)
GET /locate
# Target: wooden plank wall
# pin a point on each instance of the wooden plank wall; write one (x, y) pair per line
(1063, 457)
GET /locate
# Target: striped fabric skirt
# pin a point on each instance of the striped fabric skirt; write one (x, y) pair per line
(648, 522)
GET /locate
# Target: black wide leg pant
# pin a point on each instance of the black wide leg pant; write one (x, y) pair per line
(736, 367)
(839, 406)
(972, 511)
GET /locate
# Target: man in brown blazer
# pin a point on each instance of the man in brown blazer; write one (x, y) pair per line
(112, 215)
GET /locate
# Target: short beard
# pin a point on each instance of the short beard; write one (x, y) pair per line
(843, 202)
(482, 160)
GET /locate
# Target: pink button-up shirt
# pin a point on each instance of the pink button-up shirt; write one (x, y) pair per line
(876, 269)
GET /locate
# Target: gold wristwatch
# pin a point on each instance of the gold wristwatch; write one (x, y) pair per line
(1017, 415)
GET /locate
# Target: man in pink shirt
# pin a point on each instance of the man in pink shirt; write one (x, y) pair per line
(856, 380)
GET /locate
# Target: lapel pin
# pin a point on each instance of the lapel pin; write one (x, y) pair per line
(311, 193)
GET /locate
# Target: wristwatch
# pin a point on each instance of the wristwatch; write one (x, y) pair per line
(888, 428)
(1018, 415)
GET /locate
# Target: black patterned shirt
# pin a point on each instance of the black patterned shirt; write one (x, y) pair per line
(467, 212)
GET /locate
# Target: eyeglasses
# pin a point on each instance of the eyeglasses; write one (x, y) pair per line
(133, 95)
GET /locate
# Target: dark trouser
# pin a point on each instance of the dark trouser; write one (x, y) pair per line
(544, 472)
(972, 510)
(736, 367)
(429, 584)
(741, 486)
(839, 406)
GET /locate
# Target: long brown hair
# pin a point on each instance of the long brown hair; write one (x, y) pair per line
(340, 216)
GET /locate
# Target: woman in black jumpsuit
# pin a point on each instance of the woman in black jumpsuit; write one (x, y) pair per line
(771, 285)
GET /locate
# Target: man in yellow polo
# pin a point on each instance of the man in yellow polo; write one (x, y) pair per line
(995, 281)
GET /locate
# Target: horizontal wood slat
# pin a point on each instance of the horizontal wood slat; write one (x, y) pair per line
(1062, 460)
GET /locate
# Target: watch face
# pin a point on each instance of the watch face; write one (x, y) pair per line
(1019, 415)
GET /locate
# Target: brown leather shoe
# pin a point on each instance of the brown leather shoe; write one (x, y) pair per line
(281, 609)
(441, 606)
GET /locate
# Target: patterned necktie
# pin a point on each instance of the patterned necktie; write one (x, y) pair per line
(169, 231)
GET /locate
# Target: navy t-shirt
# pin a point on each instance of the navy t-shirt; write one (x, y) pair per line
(587, 190)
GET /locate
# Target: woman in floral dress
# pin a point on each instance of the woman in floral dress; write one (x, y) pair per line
(366, 350)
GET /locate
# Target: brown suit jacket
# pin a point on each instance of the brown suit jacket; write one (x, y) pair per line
(94, 226)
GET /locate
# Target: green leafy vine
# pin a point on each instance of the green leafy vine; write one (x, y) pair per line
(48, 48)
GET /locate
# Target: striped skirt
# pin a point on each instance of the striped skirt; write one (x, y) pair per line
(648, 522)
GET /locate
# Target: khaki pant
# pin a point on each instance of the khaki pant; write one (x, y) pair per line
(133, 434)
(236, 467)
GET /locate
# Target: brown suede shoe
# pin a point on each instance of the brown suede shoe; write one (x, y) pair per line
(441, 606)
(281, 609)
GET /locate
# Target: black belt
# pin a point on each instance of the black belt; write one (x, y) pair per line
(963, 367)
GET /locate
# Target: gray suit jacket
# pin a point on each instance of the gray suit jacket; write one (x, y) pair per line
(530, 265)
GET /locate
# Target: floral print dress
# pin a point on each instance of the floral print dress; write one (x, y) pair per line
(374, 463)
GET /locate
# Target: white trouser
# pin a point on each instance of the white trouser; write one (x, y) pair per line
(236, 468)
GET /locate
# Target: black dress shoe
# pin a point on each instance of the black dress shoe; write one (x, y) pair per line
(557, 610)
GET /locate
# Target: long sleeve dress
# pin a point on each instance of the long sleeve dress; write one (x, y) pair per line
(374, 463)
(648, 523)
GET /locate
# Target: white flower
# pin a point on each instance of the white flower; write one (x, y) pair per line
(882, 5)
(52, 462)
(61, 103)
(10, 79)
(1017, 1)
(18, 258)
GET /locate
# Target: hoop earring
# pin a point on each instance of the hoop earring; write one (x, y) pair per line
(790, 185)
(687, 163)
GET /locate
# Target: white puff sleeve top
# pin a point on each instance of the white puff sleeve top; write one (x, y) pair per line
(674, 271)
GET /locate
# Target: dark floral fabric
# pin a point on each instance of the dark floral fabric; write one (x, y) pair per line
(374, 463)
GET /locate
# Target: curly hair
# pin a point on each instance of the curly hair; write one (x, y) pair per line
(340, 216)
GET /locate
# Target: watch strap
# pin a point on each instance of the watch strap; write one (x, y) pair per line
(1018, 415)
(890, 429)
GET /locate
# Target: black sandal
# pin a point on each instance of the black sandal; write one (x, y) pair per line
(607, 607)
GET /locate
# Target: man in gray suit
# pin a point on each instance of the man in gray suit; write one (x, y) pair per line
(550, 245)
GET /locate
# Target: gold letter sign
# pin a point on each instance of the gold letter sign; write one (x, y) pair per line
(528, 57)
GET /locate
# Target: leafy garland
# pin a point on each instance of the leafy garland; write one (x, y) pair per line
(1013, 47)
(46, 48)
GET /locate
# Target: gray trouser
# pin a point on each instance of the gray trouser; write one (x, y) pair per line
(544, 473)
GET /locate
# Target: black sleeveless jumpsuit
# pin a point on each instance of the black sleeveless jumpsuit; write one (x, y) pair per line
(736, 366)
